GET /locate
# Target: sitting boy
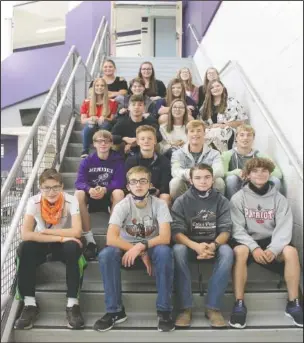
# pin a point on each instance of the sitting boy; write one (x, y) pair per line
(124, 131)
(100, 182)
(139, 227)
(201, 228)
(158, 165)
(262, 231)
(43, 232)
(191, 154)
(235, 159)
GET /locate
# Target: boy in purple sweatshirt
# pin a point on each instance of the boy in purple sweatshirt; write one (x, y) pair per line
(100, 183)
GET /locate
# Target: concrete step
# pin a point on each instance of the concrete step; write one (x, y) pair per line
(52, 276)
(69, 179)
(73, 150)
(150, 334)
(76, 137)
(145, 304)
(70, 164)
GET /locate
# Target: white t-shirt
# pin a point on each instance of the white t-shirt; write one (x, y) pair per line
(140, 223)
(71, 207)
(178, 132)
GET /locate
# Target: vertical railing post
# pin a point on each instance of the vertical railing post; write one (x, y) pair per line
(74, 87)
(58, 146)
(34, 157)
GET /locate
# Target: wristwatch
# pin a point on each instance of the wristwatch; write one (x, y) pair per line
(145, 243)
(216, 245)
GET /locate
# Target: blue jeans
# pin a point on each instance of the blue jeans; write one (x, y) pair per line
(162, 260)
(234, 183)
(217, 283)
(89, 130)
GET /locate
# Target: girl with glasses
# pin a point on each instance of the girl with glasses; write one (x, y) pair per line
(185, 76)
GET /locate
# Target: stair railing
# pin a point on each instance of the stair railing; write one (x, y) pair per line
(44, 148)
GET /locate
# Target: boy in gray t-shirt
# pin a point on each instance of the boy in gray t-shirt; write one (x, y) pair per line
(139, 227)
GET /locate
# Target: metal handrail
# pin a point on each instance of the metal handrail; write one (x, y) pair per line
(298, 165)
(35, 170)
(191, 26)
(99, 47)
(16, 166)
(94, 42)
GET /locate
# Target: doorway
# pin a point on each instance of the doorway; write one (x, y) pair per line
(165, 37)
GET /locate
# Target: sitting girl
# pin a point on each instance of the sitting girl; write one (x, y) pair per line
(174, 132)
(221, 115)
(155, 89)
(185, 76)
(210, 75)
(175, 90)
(96, 113)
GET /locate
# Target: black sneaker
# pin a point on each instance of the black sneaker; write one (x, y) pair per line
(84, 154)
(165, 322)
(90, 252)
(74, 317)
(106, 322)
(294, 310)
(27, 317)
(238, 315)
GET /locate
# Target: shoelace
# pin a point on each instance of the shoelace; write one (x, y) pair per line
(297, 302)
(239, 306)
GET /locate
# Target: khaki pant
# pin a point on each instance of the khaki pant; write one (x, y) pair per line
(179, 186)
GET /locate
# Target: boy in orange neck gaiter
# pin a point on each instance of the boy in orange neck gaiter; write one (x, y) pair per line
(51, 210)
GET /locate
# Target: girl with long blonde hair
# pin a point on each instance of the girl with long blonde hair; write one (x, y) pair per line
(184, 74)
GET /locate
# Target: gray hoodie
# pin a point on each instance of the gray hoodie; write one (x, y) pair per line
(257, 217)
(201, 219)
(182, 160)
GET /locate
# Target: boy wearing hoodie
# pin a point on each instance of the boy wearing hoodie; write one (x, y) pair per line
(235, 159)
(262, 231)
(100, 183)
(158, 165)
(191, 154)
(201, 228)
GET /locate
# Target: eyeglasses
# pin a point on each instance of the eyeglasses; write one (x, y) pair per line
(178, 108)
(56, 189)
(133, 182)
(100, 141)
(146, 69)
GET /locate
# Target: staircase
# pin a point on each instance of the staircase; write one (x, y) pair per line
(265, 301)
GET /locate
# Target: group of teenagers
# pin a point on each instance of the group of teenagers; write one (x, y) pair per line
(177, 191)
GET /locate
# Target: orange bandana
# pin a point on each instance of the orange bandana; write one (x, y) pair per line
(51, 213)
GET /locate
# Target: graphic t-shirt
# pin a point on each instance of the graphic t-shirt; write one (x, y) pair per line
(71, 207)
(136, 223)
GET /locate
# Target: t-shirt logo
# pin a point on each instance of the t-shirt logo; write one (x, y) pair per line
(259, 214)
(141, 228)
(204, 225)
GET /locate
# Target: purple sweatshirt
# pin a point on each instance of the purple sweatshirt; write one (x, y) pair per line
(108, 173)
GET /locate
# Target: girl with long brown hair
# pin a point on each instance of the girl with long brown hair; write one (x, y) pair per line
(174, 132)
(222, 115)
(155, 89)
(175, 90)
(96, 113)
(210, 75)
(185, 76)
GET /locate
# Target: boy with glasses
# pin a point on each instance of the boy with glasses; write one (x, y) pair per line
(100, 183)
(45, 232)
(139, 227)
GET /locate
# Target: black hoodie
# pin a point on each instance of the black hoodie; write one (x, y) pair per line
(201, 219)
(159, 167)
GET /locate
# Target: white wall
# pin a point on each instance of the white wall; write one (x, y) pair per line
(266, 38)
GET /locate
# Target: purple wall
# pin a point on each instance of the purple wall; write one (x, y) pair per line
(26, 74)
(10, 151)
(199, 14)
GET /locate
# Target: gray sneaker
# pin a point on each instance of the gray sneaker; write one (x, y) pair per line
(27, 318)
(74, 318)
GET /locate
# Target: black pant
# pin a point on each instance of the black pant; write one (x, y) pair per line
(31, 254)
